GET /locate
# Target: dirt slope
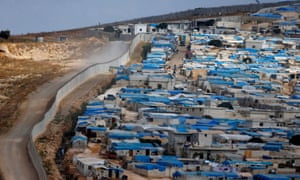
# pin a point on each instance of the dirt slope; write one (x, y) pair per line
(25, 66)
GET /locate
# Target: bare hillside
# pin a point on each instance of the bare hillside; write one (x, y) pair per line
(26, 65)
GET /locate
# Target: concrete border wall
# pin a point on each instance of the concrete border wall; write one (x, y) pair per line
(67, 88)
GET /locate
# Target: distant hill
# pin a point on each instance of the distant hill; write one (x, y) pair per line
(207, 12)
(182, 15)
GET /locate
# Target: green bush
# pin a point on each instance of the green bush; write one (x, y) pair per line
(215, 42)
(146, 50)
(109, 29)
(5, 34)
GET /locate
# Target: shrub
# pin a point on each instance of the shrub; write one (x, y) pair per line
(215, 42)
(5, 34)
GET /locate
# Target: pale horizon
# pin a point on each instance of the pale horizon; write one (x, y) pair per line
(30, 16)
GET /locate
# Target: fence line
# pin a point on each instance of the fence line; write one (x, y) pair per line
(67, 88)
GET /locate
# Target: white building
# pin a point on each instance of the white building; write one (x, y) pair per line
(84, 164)
(126, 29)
(140, 28)
(256, 43)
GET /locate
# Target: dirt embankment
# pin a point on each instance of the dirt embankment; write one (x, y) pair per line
(25, 66)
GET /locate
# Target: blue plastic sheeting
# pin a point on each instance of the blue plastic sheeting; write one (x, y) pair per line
(120, 77)
(82, 123)
(273, 146)
(141, 158)
(286, 9)
(182, 129)
(155, 56)
(175, 92)
(231, 121)
(186, 103)
(134, 90)
(153, 25)
(270, 177)
(250, 163)
(221, 82)
(100, 111)
(169, 161)
(295, 96)
(273, 130)
(122, 135)
(223, 98)
(269, 15)
(238, 38)
(133, 146)
(204, 124)
(95, 103)
(210, 122)
(154, 60)
(250, 133)
(83, 118)
(251, 50)
(132, 96)
(292, 31)
(94, 128)
(143, 134)
(265, 60)
(128, 127)
(206, 174)
(163, 44)
(151, 66)
(120, 69)
(241, 83)
(164, 76)
(159, 99)
(293, 175)
(148, 166)
(200, 127)
(296, 104)
(200, 41)
(79, 137)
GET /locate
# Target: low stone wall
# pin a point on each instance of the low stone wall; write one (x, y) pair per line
(69, 86)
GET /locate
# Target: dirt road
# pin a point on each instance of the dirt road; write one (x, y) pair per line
(14, 160)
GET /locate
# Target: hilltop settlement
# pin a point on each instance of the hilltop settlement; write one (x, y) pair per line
(215, 98)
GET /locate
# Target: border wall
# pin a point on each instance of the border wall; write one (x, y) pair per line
(67, 88)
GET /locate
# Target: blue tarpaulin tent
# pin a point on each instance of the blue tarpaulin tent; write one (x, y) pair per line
(149, 166)
(270, 177)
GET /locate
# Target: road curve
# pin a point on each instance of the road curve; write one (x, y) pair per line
(14, 159)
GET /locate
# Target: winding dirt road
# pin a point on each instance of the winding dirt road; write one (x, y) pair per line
(14, 160)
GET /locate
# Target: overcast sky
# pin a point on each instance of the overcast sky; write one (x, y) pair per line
(24, 16)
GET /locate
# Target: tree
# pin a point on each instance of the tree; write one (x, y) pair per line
(276, 31)
(5, 34)
(256, 140)
(295, 140)
(215, 42)
(247, 60)
(109, 29)
(146, 50)
(162, 26)
(226, 105)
